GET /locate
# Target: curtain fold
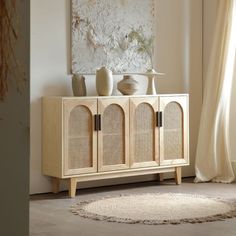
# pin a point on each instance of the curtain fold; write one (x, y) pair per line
(213, 162)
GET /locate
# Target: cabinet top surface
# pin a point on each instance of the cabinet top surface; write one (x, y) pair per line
(118, 96)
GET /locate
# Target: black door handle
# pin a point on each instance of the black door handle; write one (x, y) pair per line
(159, 119)
(97, 122)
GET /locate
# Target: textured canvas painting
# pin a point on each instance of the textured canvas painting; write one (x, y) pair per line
(118, 34)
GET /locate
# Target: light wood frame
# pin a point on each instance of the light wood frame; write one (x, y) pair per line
(55, 115)
(68, 106)
(183, 103)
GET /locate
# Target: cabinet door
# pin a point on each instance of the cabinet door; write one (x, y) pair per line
(144, 144)
(174, 130)
(80, 138)
(113, 137)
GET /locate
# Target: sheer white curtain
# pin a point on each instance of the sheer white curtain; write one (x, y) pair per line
(213, 162)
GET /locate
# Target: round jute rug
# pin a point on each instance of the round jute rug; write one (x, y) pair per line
(156, 209)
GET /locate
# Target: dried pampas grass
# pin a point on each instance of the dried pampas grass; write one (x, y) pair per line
(9, 64)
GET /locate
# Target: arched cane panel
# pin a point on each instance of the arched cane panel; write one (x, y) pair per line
(80, 138)
(144, 121)
(173, 131)
(113, 128)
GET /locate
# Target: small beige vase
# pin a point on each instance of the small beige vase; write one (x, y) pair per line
(128, 85)
(78, 85)
(104, 81)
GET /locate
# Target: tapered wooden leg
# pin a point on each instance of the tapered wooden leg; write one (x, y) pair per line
(72, 186)
(160, 177)
(178, 175)
(55, 185)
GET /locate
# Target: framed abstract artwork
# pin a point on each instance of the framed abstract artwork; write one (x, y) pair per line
(118, 34)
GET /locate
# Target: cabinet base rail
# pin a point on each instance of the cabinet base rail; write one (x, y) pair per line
(72, 181)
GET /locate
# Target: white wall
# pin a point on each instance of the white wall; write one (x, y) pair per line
(179, 47)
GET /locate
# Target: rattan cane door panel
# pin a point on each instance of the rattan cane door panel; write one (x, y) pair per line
(143, 132)
(80, 137)
(174, 133)
(113, 137)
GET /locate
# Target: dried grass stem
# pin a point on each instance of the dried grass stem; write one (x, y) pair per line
(8, 37)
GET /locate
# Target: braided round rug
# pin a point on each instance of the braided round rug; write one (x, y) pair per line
(156, 209)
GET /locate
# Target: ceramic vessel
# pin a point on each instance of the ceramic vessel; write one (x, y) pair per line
(78, 85)
(151, 75)
(128, 85)
(104, 81)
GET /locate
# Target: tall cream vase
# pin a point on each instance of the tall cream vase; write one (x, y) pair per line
(104, 81)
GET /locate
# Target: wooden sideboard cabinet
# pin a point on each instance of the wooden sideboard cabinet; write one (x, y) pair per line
(91, 138)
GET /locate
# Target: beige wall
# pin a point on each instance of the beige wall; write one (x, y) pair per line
(179, 48)
(209, 16)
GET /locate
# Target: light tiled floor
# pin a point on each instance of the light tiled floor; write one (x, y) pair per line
(50, 214)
